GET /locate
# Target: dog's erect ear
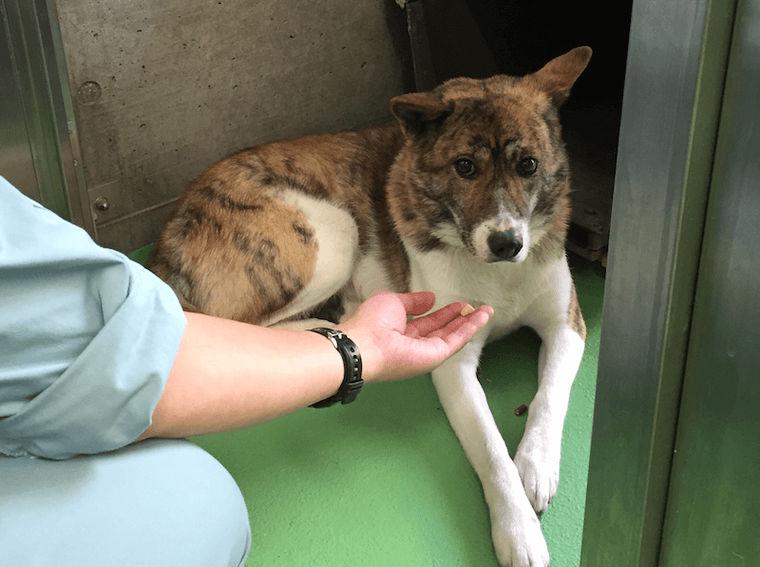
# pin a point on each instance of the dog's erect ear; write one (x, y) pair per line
(559, 75)
(417, 111)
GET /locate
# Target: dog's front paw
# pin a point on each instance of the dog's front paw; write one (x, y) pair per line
(518, 540)
(538, 465)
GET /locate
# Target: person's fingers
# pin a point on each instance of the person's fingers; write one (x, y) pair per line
(436, 320)
(460, 336)
(452, 325)
(418, 302)
(463, 328)
(431, 351)
(414, 355)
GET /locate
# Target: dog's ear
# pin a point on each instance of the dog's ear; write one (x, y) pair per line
(418, 111)
(559, 75)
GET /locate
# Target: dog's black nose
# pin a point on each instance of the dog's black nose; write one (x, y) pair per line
(505, 244)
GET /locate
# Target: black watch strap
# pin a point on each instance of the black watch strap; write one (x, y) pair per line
(352, 368)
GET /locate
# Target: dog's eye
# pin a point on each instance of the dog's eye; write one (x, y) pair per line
(527, 166)
(465, 167)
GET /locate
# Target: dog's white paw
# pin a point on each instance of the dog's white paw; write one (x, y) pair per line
(538, 465)
(518, 540)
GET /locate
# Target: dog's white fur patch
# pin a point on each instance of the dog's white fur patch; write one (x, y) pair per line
(370, 276)
(448, 234)
(337, 239)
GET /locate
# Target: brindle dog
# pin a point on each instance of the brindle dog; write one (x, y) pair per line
(467, 194)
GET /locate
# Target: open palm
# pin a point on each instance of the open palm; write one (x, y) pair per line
(393, 346)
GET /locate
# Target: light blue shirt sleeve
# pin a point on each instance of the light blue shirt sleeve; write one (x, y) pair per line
(87, 337)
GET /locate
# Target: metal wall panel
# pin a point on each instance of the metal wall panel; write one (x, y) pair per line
(676, 65)
(714, 502)
(16, 163)
(163, 89)
(37, 111)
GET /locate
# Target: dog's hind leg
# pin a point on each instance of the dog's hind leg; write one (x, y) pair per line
(336, 236)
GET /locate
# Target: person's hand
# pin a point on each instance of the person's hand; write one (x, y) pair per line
(393, 347)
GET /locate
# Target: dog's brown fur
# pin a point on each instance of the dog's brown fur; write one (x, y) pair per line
(575, 317)
(234, 249)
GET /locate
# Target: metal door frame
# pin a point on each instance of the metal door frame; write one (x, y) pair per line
(39, 73)
(716, 465)
(677, 60)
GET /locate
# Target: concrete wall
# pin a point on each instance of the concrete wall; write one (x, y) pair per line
(163, 89)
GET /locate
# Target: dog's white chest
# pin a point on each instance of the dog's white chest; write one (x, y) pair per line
(455, 275)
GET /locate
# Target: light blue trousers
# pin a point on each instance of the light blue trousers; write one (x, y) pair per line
(158, 503)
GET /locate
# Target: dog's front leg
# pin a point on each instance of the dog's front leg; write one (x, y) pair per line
(515, 529)
(538, 455)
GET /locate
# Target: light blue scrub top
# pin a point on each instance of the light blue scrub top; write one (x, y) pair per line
(87, 337)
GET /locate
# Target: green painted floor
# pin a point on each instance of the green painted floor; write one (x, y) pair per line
(383, 482)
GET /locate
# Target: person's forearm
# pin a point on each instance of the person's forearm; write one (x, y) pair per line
(229, 374)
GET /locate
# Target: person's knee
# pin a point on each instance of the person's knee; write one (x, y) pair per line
(219, 504)
(158, 503)
(209, 499)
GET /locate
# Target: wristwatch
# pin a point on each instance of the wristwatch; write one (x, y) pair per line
(352, 368)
